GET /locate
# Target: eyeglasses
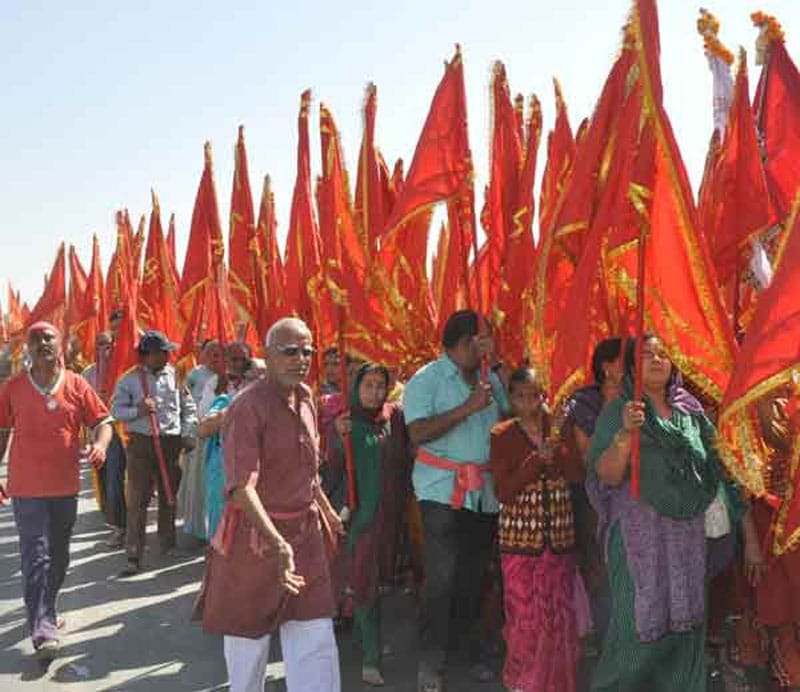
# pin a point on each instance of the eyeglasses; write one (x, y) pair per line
(293, 350)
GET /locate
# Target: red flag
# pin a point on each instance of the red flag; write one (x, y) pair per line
(52, 304)
(777, 109)
(272, 302)
(441, 170)
(158, 293)
(303, 260)
(173, 258)
(344, 273)
(77, 288)
(647, 194)
(204, 276)
(124, 355)
(16, 320)
(744, 209)
(562, 243)
(137, 246)
(121, 285)
(91, 316)
(560, 159)
(369, 204)
(768, 364)
(242, 243)
(498, 216)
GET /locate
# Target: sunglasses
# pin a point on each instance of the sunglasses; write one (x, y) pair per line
(293, 350)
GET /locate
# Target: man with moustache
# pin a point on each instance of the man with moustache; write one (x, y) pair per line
(268, 569)
(46, 407)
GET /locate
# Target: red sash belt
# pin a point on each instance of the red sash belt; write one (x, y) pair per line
(223, 536)
(468, 474)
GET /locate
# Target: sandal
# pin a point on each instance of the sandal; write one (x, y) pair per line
(372, 676)
(132, 568)
(429, 682)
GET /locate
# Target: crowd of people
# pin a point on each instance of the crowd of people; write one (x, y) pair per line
(515, 524)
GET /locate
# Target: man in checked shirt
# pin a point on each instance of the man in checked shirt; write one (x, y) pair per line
(152, 388)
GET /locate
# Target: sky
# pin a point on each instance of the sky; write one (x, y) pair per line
(103, 101)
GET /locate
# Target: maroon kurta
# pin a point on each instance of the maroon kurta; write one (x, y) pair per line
(268, 445)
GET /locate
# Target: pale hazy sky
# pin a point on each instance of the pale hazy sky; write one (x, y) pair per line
(101, 101)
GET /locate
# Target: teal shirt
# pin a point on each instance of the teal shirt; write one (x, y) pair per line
(436, 389)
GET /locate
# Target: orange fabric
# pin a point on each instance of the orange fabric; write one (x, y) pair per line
(45, 449)
(90, 314)
(204, 277)
(158, 294)
(52, 304)
(346, 271)
(243, 247)
(121, 284)
(768, 355)
(442, 165)
(370, 201)
(744, 208)
(646, 188)
(562, 243)
(468, 475)
(272, 294)
(77, 288)
(560, 159)
(303, 252)
(777, 106)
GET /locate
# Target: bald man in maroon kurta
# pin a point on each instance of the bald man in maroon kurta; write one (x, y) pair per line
(270, 445)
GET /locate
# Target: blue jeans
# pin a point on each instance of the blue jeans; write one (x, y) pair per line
(45, 528)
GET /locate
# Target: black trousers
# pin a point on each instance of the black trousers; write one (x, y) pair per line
(458, 549)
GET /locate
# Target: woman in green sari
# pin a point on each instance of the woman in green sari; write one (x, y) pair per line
(380, 446)
(656, 545)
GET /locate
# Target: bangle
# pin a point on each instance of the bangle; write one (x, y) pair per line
(618, 438)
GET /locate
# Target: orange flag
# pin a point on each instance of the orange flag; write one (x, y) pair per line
(242, 242)
(500, 207)
(777, 109)
(137, 246)
(441, 170)
(272, 302)
(121, 284)
(744, 210)
(370, 200)
(173, 261)
(346, 272)
(52, 304)
(768, 364)
(158, 293)
(303, 254)
(647, 193)
(562, 242)
(77, 288)
(560, 159)
(516, 294)
(91, 316)
(204, 276)
(16, 320)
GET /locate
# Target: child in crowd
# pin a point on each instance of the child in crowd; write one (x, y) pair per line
(537, 540)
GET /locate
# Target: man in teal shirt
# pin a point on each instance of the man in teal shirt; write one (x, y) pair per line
(450, 411)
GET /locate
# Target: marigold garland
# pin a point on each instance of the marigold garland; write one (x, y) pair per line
(773, 30)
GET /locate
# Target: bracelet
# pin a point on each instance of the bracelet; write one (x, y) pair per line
(618, 441)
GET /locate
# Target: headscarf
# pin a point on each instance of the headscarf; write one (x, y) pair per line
(368, 427)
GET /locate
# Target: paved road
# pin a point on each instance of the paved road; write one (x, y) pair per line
(136, 634)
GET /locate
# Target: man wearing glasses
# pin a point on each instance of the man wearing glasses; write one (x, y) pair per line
(268, 569)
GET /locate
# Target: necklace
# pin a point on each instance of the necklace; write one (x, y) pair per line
(47, 390)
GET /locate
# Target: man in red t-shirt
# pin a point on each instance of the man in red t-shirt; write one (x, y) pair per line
(46, 408)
